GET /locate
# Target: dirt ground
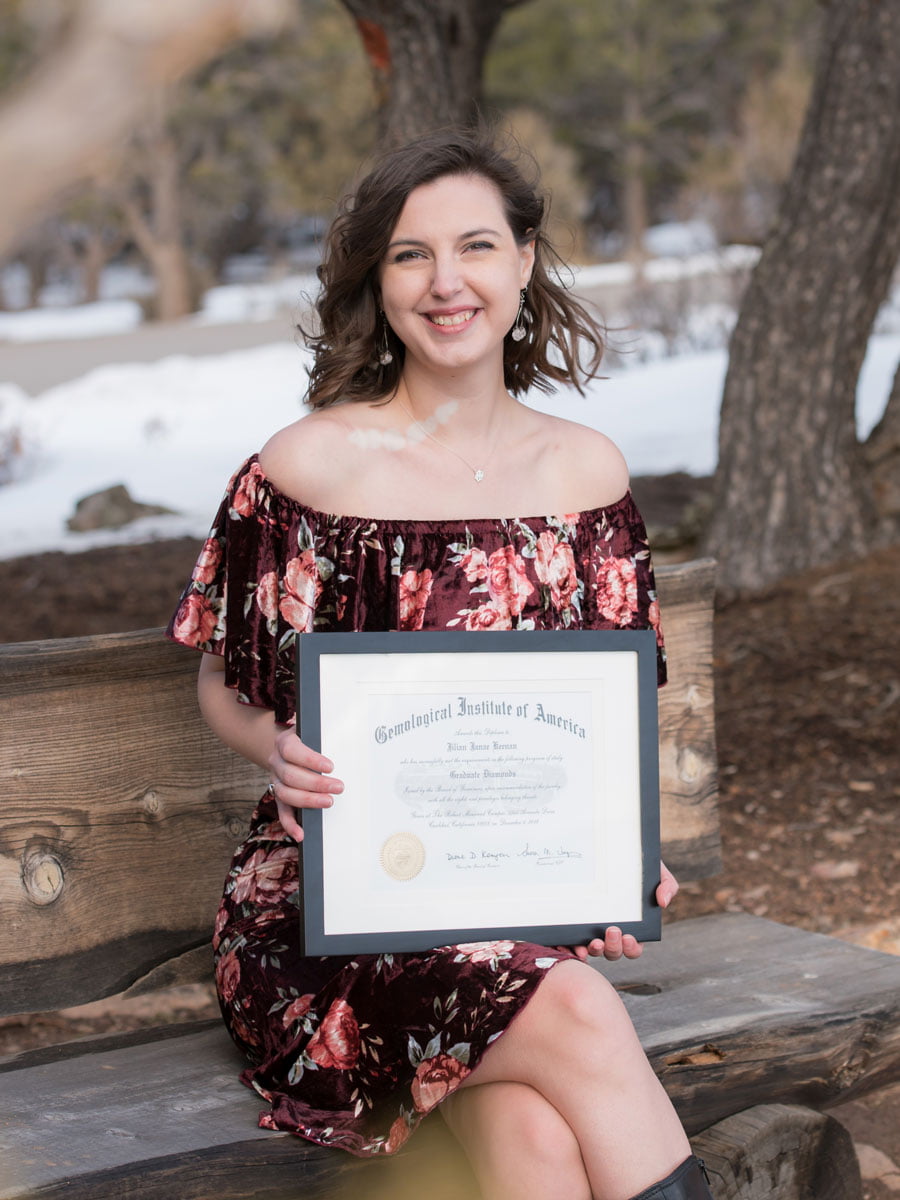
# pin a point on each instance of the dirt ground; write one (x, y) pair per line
(808, 715)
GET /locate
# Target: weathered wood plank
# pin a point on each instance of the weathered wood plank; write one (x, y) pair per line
(780, 1150)
(735, 1011)
(820, 1024)
(687, 739)
(119, 814)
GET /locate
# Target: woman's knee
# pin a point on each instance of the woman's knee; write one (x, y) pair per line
(507, 1123)
(575, 996)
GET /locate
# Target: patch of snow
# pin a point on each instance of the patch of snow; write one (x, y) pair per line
(727, 259)
(256, 301)
(83, 320)
(680, 239)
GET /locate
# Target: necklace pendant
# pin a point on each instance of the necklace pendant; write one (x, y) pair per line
(479, 475)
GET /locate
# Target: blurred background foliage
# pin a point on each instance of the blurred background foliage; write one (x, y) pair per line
(637, 114)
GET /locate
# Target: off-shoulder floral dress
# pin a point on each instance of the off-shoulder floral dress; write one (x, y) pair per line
(353, 1052)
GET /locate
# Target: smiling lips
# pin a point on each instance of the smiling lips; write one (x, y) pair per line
(451, 320)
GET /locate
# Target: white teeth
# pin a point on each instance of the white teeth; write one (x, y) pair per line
(459, 318)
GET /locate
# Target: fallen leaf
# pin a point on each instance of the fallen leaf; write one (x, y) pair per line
(846, 869)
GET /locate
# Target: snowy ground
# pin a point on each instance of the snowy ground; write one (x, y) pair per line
(173, 430)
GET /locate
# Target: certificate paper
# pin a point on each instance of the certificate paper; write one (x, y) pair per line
(495, 786)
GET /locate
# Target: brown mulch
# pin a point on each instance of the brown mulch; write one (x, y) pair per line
(808, 716)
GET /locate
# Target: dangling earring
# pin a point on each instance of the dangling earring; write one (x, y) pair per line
(518, 330)
(385, 357)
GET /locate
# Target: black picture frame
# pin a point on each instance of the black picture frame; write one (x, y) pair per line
(340, 888)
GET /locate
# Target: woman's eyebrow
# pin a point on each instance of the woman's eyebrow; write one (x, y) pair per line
(462, 237)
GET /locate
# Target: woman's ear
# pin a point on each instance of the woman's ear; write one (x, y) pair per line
(526, 253)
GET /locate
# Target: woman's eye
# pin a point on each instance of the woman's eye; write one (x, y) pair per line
(480, 246)
(406, 255)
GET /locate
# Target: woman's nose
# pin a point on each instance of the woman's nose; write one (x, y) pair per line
(445, 279)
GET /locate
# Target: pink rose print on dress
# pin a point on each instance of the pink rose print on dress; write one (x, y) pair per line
(489, 617)
(267, 595)
(242, 1030)
(228, 975)
(196, 620)
(221, 922)
(508, 585)
(245, 498)
(554, 565)
(617, 594)
(654, 621)
(208, 562)
(482, 952)
(246, 495)
(336, 1042)
(435, 1079)
(400, 1131)
(267, 876)
(475, 564)
(297, 1009)
(302, 590)
(415, 588)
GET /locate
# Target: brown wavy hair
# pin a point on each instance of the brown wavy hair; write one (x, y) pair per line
(563, 342)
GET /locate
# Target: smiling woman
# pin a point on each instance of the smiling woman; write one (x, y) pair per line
(357, 252)
(452, 276)
(437, 312)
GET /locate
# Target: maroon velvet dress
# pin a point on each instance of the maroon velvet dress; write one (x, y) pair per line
(353, 1052)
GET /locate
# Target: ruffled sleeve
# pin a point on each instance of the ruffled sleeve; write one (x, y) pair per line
(620, 583)
(252, 590)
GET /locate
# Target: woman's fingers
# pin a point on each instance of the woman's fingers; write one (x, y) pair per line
(287, 816)
(300, 778)
(668, 887)
(301, 781)
(614, 945)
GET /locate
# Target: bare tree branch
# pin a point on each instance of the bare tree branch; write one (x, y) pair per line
(77, 105)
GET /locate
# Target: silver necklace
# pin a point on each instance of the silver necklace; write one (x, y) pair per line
(477, 472)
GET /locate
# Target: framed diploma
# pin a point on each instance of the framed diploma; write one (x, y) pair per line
(495, 786)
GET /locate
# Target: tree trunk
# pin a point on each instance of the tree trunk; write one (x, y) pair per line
(427, 58)
(792, 490)
(882, 453)
(635, 207)
(170, 263)
(95, 252)
(158, 232)
(37, 266)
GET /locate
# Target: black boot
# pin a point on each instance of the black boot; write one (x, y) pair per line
(687, 1182)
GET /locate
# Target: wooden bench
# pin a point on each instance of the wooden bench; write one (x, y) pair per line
(118, 815)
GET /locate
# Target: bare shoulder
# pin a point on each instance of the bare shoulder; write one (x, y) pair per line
(302, 459)
(593, 466)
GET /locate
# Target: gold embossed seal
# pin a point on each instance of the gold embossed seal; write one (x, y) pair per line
(402, 856)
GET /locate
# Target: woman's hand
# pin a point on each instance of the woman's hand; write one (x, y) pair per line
(617, 944)
(301, 778)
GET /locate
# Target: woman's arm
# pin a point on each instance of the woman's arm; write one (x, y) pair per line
(301, 777)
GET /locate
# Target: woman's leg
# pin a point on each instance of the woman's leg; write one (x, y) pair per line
(517, 1143)
(574, 1044)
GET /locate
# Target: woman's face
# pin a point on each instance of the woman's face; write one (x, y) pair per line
(451, 277)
